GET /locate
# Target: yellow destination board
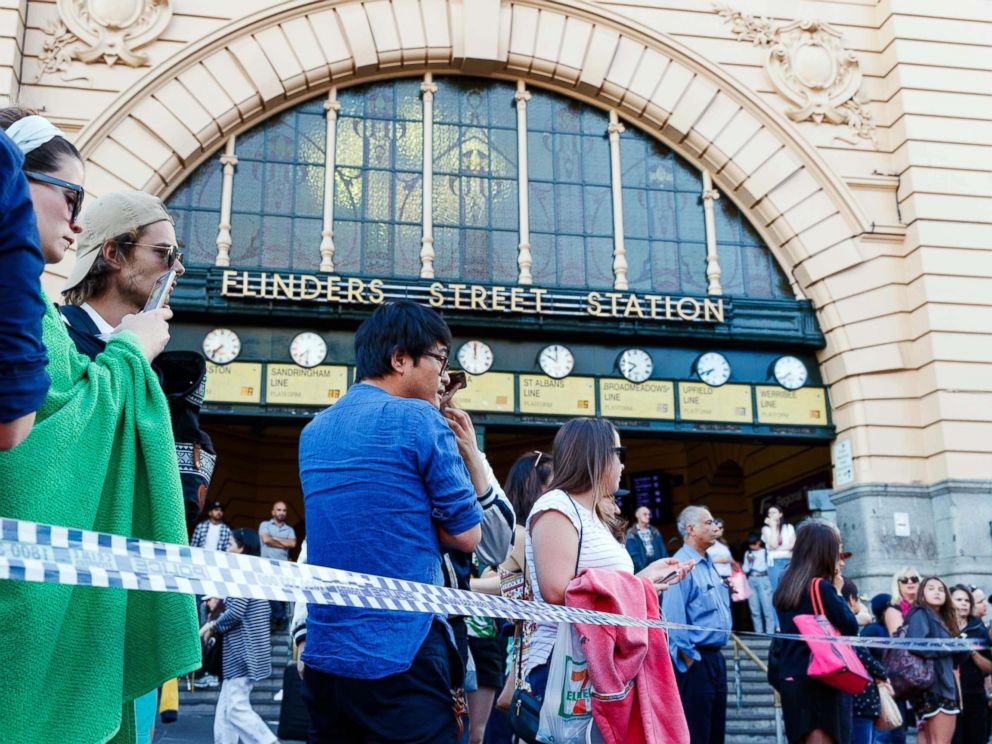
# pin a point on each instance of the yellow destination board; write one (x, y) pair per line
(803, 407)
(700, 402)
(573, 396)
(290, 385)
(238, 382)
(654, 399)
(492, 391)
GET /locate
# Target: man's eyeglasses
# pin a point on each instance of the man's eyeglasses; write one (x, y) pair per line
(621, 453)
(909, 579)
(74, 200)
(443, 358)
(170, 253)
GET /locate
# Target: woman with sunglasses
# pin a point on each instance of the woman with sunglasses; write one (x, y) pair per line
(905, 586)
(568, 529)
(101, 456)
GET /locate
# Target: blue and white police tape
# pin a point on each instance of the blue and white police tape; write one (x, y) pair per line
(35, 552)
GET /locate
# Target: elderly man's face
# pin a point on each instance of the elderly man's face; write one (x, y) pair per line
(706, 529)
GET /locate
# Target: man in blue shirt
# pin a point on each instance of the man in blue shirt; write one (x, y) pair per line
(385, 488)
(23, 379)
(701, 598)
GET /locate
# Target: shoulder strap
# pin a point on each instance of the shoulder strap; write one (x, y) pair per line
(814, 590)
(578, 552)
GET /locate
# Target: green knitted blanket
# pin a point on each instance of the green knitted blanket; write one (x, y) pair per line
(101, 457)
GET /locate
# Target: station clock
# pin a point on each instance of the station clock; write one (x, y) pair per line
(790, 372)
(475, 357)
(308, 349)
(636, 365)
(713, 368)
(556, 361)
(221, 346)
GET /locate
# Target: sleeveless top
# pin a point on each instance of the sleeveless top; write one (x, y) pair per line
(599, 549)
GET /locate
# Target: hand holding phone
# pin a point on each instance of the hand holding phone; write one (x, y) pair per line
(456, 381)
(161, 291)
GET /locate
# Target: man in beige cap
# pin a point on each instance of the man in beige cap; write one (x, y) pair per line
(128, 241)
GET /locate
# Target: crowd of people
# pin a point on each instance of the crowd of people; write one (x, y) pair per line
(394, 484)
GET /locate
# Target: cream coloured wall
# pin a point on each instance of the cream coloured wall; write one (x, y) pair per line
(889, 240)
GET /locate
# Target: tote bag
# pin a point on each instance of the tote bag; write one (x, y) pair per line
(889, 717)
(831, 663)
(567, 708)
(909, 674)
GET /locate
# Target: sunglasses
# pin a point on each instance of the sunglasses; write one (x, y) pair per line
(443, 358)
(537, 460)
(171, 253)
(909, 579)
(75, 200)
(621, 453)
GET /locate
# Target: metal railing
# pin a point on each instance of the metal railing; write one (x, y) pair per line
(739, 647)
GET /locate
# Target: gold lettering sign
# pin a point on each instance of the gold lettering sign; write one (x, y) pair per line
(520, 300)
(238, 382)
(654, 399)
(804, 407)
(493, 391)
(290, 385)
(573, 396)
(700, 402)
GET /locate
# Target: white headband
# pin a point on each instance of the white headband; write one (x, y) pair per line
(32, 132)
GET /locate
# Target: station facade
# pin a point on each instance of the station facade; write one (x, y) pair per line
(756, 241)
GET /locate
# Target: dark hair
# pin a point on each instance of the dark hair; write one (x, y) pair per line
(753, 537)
(396, 326)
(879, 604)
(971, 597)
(247, 540)
(948, 617)
(97, 279)
(526, 482)
(849, 590)
(814, 556)
(46, 158)
(583, 451)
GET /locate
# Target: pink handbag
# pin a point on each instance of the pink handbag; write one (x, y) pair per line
(740, 590)
(834, 664)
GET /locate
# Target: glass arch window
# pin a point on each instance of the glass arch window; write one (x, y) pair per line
(377, 200)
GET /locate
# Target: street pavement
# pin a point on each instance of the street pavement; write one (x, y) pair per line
(193, 729)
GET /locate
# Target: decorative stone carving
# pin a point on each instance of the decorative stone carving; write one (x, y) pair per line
(56, 55)
(809, 66)
(113, 30)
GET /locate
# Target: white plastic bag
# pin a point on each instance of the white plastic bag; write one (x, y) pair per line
(567, 708)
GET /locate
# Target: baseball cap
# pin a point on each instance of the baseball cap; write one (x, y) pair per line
(214, 505)
(111, 215)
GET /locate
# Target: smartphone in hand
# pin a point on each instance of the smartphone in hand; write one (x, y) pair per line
(456, 381)
(160, 291)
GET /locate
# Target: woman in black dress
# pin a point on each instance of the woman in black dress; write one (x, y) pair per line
(812, 709)
(973, 721)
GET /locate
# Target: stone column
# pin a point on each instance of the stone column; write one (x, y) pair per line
(619, 251)
(428, 88)
(331, 106)
(524, 258)
(229, 160)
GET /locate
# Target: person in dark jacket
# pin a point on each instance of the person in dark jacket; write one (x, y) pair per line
(812, 709)
(974, 667)
(937, 708)
(245, 628)
(644, 542)
(880, 603)
(866, 706)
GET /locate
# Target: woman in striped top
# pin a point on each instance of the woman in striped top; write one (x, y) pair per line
(245, 628)
(588, 462)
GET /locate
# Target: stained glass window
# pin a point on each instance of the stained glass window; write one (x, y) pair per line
(475, 181)
(278, 190)
(278, 195)
(378, 180)
(571, 207)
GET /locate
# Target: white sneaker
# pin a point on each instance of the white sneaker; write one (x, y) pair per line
(278, 697)
(207, 680)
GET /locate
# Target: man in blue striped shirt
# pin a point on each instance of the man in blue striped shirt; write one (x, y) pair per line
(701, 598)
(385, 488)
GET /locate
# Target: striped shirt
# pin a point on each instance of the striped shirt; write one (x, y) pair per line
(599, 549)
(247, 638)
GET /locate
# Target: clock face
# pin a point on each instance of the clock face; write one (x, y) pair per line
(556, 361)
(636, 365)
(475, 357)
(790, 373)
(713, 368)
(221, 346)
(308, 349)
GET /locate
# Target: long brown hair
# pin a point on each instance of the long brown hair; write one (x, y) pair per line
(583, 455)
(525, 483)
(948, 617)
(814, 556)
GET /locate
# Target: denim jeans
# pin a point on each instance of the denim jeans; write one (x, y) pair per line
(760, 602)
(863, 731)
